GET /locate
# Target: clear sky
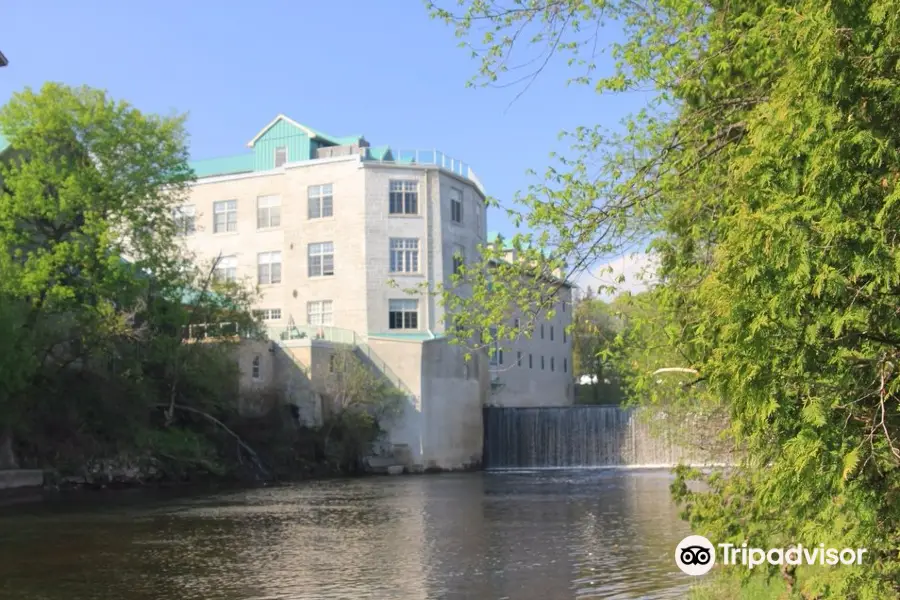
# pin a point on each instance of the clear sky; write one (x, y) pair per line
(383, 69)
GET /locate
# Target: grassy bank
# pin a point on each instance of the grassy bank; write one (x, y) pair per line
(727, 585)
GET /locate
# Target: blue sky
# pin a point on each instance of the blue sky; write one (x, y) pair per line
(382, 69)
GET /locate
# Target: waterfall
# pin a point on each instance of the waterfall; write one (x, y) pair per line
(580, 436)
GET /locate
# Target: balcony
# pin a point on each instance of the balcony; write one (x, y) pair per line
(304, 334)
(434, 158)
(310, 333)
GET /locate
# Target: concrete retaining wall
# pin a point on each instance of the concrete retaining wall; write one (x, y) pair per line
(20, 478)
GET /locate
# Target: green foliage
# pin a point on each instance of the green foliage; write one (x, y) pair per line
(727, 585)
(93, 360)
(764, 172)
(360, 400)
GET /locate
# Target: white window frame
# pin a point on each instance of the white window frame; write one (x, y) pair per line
(228, 208)
(404, 255)
(185, 218)
(406, 308)
(268, 211)
(320, 251)
(403, 194)
(268, 267)
(456, 206)
(283, 150)
(320, 197)
(226, 269)
(320, 313)
(268, 314)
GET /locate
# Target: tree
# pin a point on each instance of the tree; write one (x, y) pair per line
(93, 312)
(764, 175)
(360, 401)
(594, 332)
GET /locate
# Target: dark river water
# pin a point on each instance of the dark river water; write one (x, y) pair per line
(523, 536)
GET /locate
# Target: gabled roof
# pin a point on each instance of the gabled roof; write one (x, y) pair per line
(312, 133)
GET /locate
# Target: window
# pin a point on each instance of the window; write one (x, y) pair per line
(564, 306)
(268, 314)
(551, 333)
(254, 372)
(530, 362)
(564, 335)
(542, 363)
(269, 268)
(403, 314)
(565, 365)
(459, 259)
(496, 353)
(456, 205)
(331, 363)
(552, 363)
(478, 212)
(280, 156)
(184, 220)
(404, 255)
(224, 216)
(320, 312)
(404, 197)
(516, 323)
(518, 359)
(321, 259)
(321, 201)
(268, 212)
(542, 331)
(226, 269)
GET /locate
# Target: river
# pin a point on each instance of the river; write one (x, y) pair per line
(542, 535)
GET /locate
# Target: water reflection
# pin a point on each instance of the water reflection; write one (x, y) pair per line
(529, 536)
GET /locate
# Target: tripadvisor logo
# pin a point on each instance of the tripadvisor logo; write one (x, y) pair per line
(696, 555)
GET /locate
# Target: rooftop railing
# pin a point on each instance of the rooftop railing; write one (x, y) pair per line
(426, 157)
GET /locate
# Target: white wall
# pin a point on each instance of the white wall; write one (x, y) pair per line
(524, 385)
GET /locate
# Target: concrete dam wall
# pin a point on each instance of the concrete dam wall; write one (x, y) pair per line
(590, 436)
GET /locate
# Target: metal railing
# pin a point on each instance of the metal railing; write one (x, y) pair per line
(212, 331)
(338, 335)
(366, 351)
(426, 157)
(312, 332)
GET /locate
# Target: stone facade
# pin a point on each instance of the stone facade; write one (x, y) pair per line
(442, 424)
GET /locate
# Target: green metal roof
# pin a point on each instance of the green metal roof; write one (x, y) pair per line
(224, 165)
(379, 152)
(336, 140)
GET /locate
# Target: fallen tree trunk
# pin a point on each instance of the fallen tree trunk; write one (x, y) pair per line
(254, 457)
